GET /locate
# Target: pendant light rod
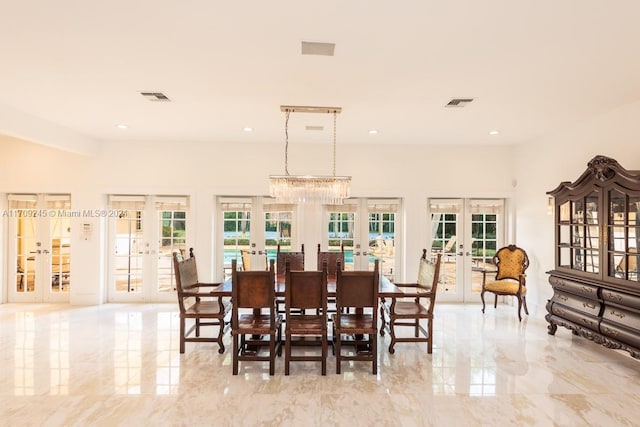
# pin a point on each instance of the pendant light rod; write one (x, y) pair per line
(309, 109)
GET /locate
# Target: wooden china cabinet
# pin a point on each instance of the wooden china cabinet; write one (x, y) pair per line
(596, 285)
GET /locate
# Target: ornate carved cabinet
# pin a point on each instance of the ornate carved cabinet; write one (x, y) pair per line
(596, 285)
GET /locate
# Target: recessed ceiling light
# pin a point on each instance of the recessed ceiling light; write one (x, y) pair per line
(122, 126)
(373, 132)
(247, 129)
(494, 132)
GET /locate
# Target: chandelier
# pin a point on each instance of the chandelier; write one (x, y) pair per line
(325, 190)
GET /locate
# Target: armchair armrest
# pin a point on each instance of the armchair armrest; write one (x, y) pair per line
(196, 294)
(203, 285)
(418, 291)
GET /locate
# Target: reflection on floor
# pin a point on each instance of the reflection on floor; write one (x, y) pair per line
(119, 365)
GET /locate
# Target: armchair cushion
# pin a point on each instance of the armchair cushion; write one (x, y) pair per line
(426, 273)
(511, 266)
(504, 286)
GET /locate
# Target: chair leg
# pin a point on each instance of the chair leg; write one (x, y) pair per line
(272, 353)
(324, 353)
(220, 336)
(382, 319)
(197, 327)
(373, 338)
(416, 330)
(519, 308)
(182, 337)
(430, 337)
(337, 351)
(524, 302)
(495, 301)
(482, 298)
(287, 352)
(392, 332)
(235, 354)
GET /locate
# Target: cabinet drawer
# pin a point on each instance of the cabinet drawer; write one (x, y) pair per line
(584, 305)
(621, 298)
(577, 288)
(625, 318)
(620, 333)
(590, 322)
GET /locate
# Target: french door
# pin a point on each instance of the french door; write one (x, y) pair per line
(251, 230)
(369, 230)
(143, 236)
(40, 247)
(467, 232)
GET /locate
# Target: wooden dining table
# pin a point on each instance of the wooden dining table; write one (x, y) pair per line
(386, 288)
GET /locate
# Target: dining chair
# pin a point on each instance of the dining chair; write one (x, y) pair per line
(296, 260)
(415, 304)
(357, 290)
(197, 304)
(510, 279)
(254, 322)
(332, 259)
(305, 290)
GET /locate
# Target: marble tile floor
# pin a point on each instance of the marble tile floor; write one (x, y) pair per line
(119, 365)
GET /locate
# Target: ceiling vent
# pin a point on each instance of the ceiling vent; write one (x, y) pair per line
(309, 127)
(313, 48)
(459, 102)
(155, 96)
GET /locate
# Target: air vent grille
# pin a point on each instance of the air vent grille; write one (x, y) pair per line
(314, 48)
(459, 102)
(155, 96)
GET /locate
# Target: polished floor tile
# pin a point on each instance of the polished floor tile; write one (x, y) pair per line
(119, 365)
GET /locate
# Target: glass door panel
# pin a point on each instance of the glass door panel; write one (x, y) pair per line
(341, 233)
(236, 233)
(39, 226)
(172, 229)
(278, 230)
(382, 228)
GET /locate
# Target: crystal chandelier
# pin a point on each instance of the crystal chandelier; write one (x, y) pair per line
(325, 190)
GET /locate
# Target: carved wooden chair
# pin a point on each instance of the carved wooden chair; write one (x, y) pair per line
(358, 290)
(296, 262)
(296, 259)
(332, 259)
(253, 329)
(196, 303)
(510, 279)
(416, 304)
(305, 290)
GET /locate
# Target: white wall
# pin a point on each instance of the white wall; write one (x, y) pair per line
(543, 164)
(204, 171)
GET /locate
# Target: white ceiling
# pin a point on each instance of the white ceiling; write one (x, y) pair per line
(533, 67)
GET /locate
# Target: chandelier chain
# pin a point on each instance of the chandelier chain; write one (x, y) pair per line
(335, 115)
(286, 143)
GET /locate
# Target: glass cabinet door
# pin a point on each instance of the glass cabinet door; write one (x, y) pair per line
(579, 234)
(623, 231)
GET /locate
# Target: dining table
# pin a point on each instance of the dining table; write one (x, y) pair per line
(386, 288)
